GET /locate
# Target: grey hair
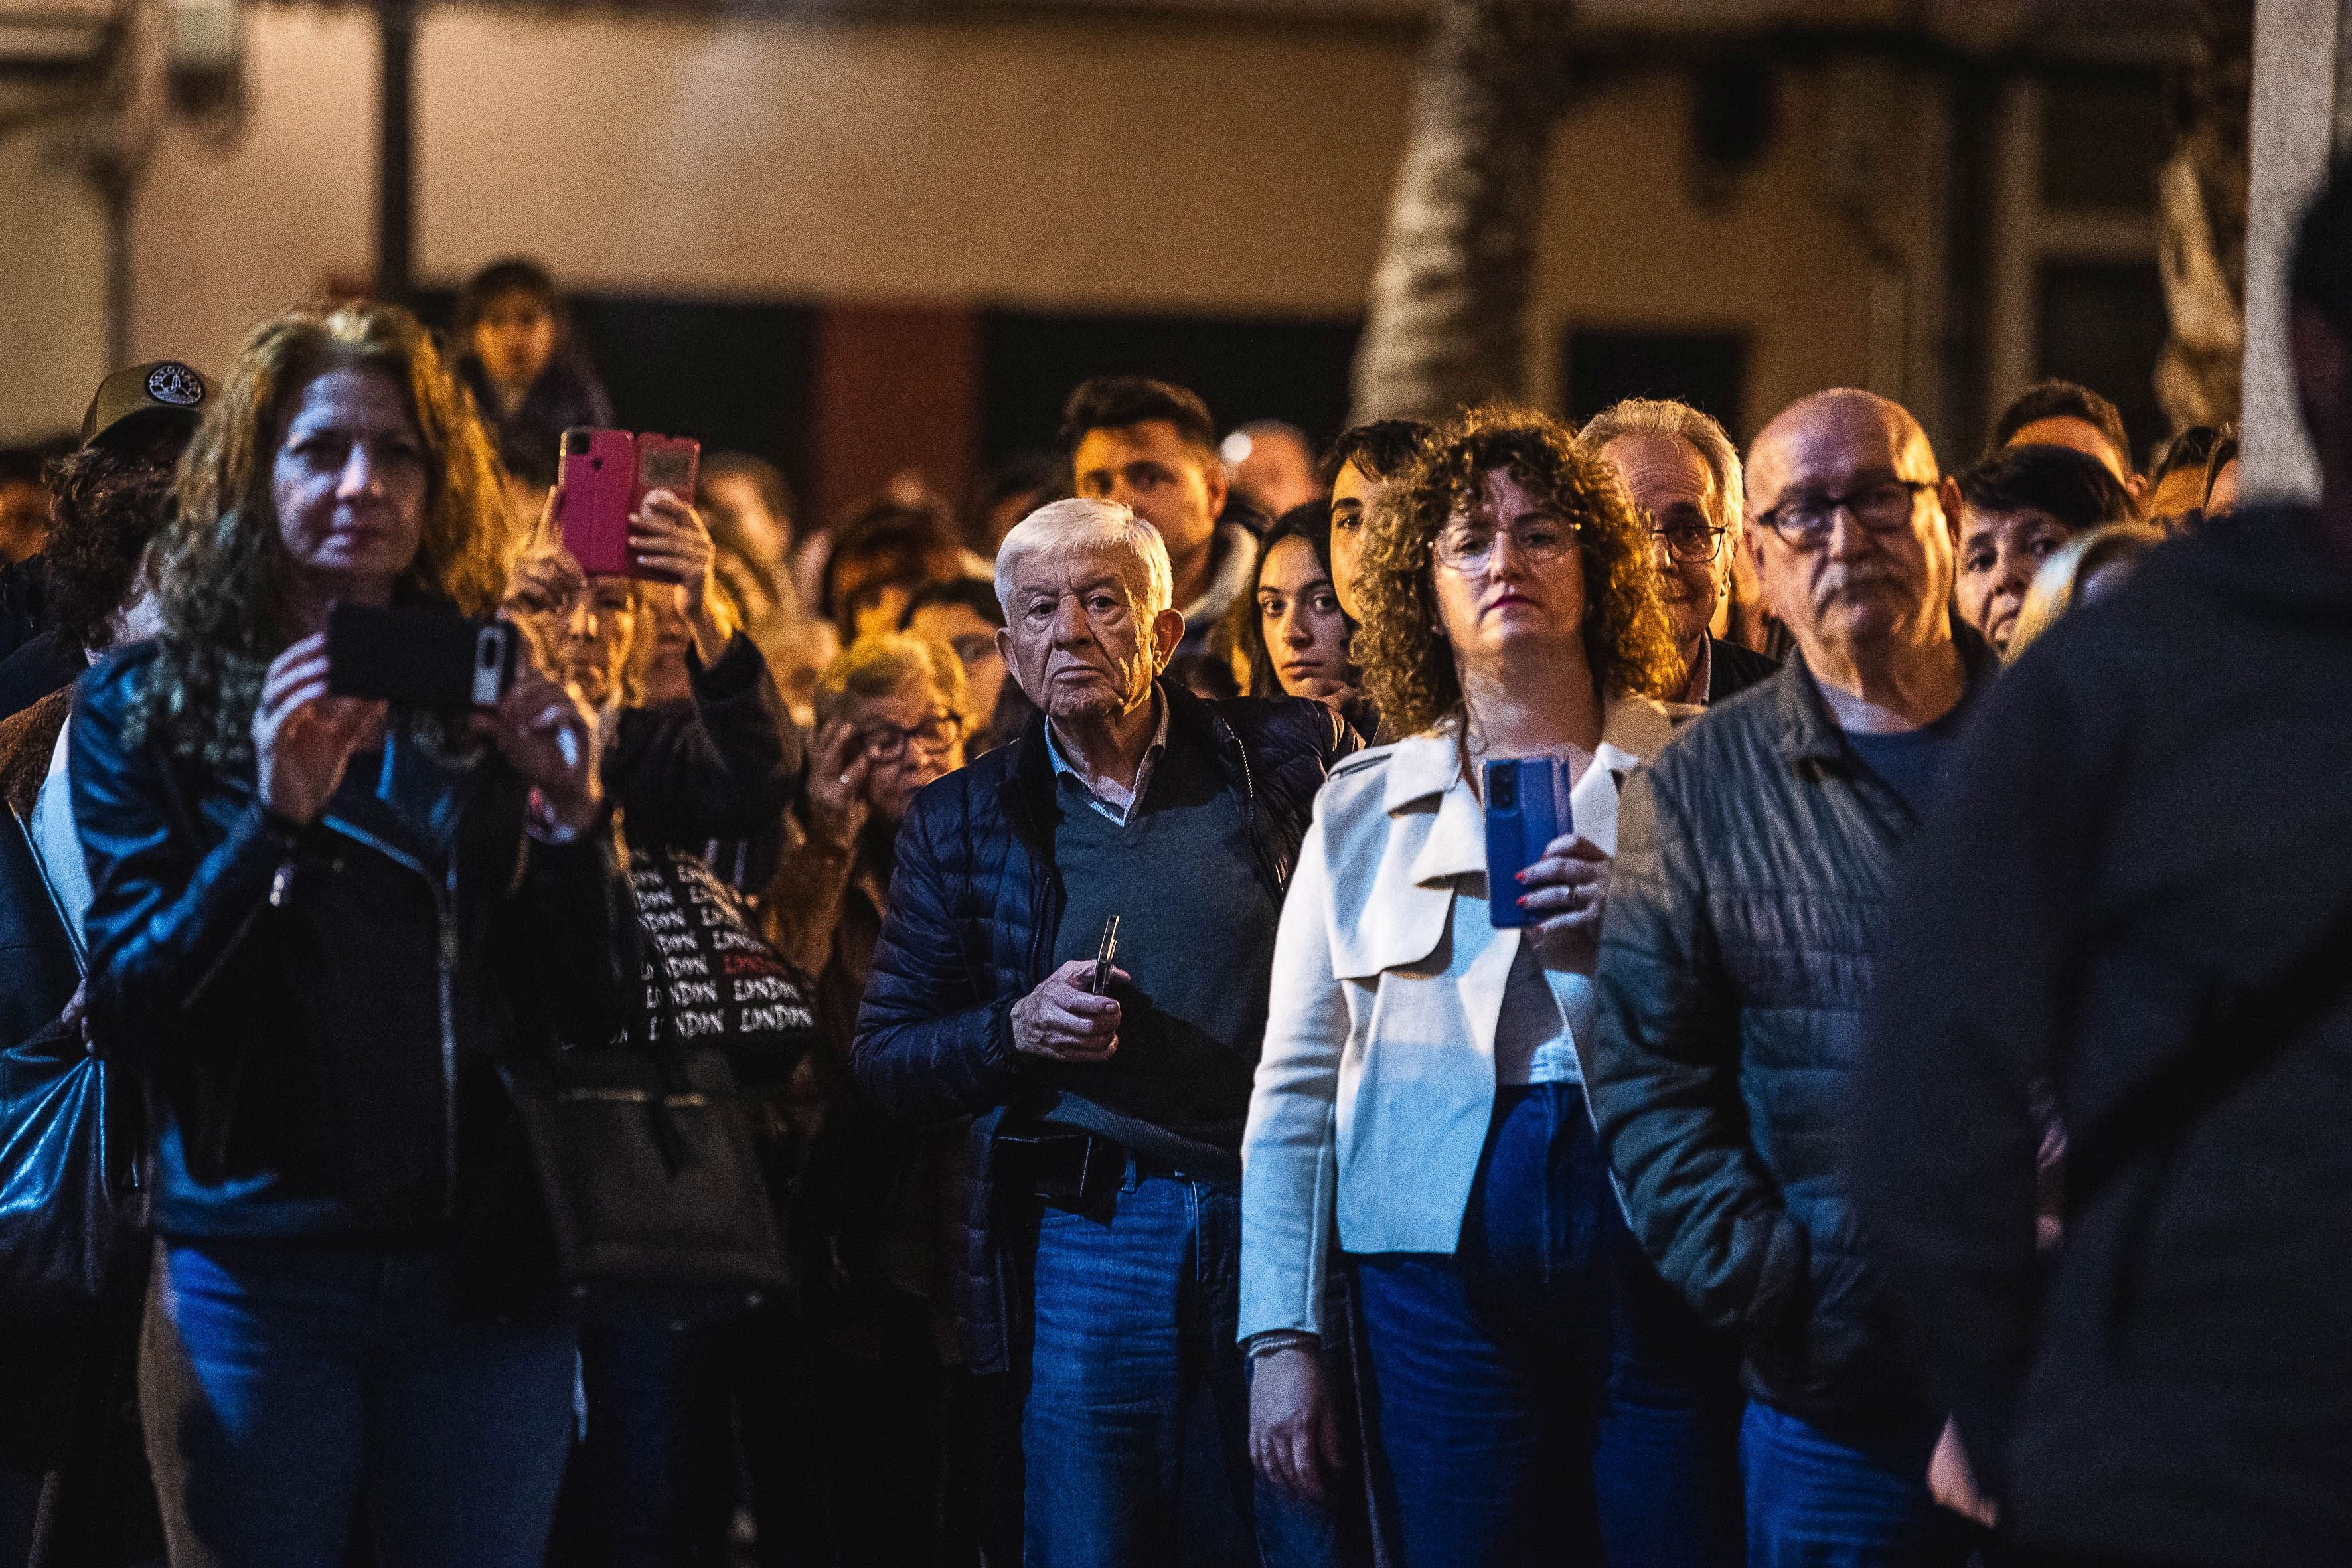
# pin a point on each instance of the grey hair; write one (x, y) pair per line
(1663, 416)
(1063, 529)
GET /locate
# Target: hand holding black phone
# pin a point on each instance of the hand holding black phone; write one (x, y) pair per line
(429, 658)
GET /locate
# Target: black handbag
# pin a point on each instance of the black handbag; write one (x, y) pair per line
(647, 1169)
(652, 1187)
(71, 1212)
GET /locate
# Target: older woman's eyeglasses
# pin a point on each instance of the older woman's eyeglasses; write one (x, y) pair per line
(1882, 506)
(1468, 546)
(888, 742)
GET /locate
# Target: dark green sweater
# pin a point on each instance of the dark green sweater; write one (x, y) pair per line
(1196, 935)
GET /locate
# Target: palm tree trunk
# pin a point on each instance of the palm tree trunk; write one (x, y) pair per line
(2202, 196)
(1448, 319)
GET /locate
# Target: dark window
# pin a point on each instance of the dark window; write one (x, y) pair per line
(2103, 324)
(2104, 138)
(732, 376)
(1605, 365)
(1246, 369)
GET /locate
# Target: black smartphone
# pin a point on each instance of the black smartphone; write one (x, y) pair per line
(1106, 954)
(429, 658)
(1527, 808)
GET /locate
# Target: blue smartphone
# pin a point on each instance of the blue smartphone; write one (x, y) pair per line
(1527, 808)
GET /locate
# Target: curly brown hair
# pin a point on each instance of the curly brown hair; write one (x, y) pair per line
(1409, 667)
(221, 569)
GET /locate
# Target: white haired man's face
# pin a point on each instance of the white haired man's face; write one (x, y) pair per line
(1077, 639)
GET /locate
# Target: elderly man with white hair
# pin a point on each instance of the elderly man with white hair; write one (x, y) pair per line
(1101, 1174)
(1684, 473)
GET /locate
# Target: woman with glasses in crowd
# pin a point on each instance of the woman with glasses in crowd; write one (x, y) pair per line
(317, 925)
(1536, 1392)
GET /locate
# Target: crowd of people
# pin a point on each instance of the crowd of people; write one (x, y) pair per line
(1897, 1118)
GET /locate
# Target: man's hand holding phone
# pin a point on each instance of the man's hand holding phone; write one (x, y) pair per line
(1063, 1021)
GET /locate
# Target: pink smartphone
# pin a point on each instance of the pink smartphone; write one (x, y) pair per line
(600, 472)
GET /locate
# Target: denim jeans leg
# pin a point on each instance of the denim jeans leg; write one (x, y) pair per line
(1815, 1501)
(468, 1426)
(251, 1374)
(1102, 1427)
(1667, 1404)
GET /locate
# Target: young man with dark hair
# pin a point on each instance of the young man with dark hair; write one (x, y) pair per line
(2065, 414)
(1358, 467)
(1151, 446)
(2136, 904)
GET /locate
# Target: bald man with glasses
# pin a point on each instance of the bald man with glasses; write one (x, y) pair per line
(1752, 871)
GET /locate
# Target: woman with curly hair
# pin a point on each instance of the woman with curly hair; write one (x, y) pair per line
(317, 926)
(1533, 1392)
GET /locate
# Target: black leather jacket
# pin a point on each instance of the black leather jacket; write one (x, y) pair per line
(317, 1011)
(1754, 859)
(975, 907)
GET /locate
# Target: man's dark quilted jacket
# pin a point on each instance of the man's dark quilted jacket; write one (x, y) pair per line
(975, 905)
(1752, 884)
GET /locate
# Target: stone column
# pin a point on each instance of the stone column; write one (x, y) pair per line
(2302, 111)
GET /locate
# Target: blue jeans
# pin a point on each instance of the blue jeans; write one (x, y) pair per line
(1541, 1397)
(1815, 1501)
(1135, 1427)
(281, 1384)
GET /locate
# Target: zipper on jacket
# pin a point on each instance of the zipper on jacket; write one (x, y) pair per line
(445, 900)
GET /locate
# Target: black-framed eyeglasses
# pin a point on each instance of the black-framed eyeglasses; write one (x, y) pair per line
(1881, 506)
(1690, 543)
(1469, 547)
(888, 742)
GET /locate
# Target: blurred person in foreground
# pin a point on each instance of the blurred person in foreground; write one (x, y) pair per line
(316, 926)
(2056, 413)
(2136, 896)
(1148, 445)
(1684, 475)
(1751, 885)
(2011, 511)
(1537, 1393)
(964, 616)
(1101, 1175)
(2175, 480)
(517, 354)
(2084, 569)
(1272, 465)
(70, 1411)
